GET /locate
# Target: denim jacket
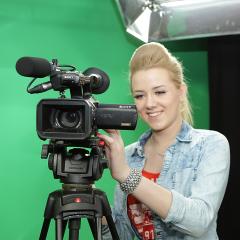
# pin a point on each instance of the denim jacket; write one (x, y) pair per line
(195, 170)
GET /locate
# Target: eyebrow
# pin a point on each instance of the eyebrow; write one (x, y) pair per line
(160, 86)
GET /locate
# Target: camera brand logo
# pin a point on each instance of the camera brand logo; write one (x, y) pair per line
(125, 106)
(126, 124)
(68, 76)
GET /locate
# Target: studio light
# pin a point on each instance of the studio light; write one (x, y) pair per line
(164, 20)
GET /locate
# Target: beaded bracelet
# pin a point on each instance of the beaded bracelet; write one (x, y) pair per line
(132, 181)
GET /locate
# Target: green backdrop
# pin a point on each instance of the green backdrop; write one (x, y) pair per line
(83, 33)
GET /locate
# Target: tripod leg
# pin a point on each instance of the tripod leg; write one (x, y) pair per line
(48, 214)
(59, 229)
(64, 226)
(74, 226)
(108, 215)
(112, 227)
(92, 224)
(99, 228)
(44, 230)
(96, 227)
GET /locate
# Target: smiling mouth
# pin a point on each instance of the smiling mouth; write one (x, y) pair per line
(155, 114)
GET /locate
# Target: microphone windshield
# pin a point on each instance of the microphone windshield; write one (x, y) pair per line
(100, 82)
(33, 67)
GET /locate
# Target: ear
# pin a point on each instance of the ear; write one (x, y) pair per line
(183, 91)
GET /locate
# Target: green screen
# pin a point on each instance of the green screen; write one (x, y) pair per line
(86, 33)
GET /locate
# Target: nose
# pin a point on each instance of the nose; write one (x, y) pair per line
(150, 102)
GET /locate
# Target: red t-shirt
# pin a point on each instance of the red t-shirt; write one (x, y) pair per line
(140, 215)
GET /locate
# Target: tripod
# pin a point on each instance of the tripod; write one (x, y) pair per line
(77, 199)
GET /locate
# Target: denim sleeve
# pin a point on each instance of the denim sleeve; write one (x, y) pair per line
(193, 215)
(123, 228)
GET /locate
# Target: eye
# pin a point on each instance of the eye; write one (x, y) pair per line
(138, 96)
(160, 92)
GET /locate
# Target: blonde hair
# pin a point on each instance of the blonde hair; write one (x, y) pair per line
(155, 55)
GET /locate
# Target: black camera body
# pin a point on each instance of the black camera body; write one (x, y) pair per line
(78, 119)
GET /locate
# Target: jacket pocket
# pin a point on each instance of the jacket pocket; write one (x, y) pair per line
(182, 180)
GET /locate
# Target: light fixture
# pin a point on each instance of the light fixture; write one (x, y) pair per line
(164, 20)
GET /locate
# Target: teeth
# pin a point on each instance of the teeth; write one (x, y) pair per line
(153, 114)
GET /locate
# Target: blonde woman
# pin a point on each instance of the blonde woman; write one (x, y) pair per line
(172, 180)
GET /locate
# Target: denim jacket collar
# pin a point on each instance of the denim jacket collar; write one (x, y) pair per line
(183, 136)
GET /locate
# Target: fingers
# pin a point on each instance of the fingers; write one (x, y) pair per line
(114, 151)
(107, 139)
(112, 136)
(113, 142)
(112, 131)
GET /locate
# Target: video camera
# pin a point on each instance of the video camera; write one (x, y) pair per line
(75, 122)
(79, 117)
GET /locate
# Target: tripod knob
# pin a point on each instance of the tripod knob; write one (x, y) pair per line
(45, 151)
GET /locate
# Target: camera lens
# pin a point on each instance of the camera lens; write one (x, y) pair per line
(69, 119)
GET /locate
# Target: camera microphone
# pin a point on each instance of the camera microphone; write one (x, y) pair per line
(33, 67)
(43, 87)
(61, 78)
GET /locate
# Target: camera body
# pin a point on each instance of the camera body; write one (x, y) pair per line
(78, 119)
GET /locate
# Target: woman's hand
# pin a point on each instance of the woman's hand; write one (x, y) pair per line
(115, 154)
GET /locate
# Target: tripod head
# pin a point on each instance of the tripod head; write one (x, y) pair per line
(77, 165)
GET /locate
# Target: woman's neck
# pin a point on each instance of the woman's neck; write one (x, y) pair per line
(166, 137)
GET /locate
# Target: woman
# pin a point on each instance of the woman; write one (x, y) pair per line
(173, 179)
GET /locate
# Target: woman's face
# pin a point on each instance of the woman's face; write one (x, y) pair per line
(156, 97)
